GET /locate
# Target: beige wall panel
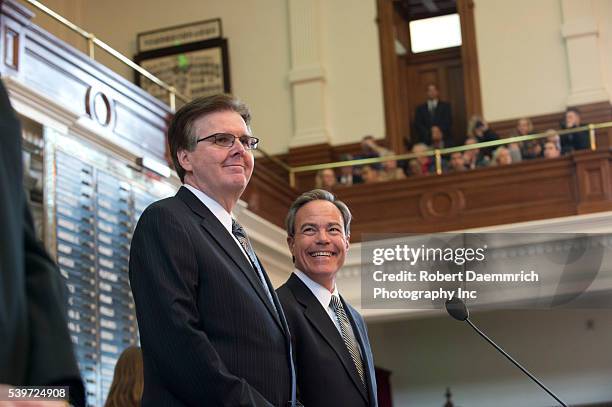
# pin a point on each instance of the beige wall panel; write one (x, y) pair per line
(258, 49)
(352, 59)
(522, 58)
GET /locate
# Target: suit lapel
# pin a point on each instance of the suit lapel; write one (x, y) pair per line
(216, 230)
(319, 319)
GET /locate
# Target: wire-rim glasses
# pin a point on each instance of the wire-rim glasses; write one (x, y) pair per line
(227, 140)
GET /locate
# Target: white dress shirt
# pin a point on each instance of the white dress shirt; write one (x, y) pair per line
(220, 213)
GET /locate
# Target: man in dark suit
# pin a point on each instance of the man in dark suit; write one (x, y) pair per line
(433, 112)
(211, 328)
(35, 345)
(332, 352)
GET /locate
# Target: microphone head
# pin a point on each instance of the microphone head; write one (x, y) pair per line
(456, 308)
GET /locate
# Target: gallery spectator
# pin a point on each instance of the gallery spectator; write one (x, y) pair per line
(422, 164)
(439, 139)
(433, 112)
(457, 162)
(391, 171)
(369, 149)
(553, 135)
(325, 179)
(530, 149)
(348, 175)
(369, 174)
(479, 129)
(551, 150)
(502, 156)
(473, 158)
(578, 140)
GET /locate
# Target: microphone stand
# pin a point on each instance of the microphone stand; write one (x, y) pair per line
(517, 364)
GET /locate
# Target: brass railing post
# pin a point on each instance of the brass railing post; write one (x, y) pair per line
(438, 162)
(292, 178)
(91, 45)
(592, 137)
(172, 93)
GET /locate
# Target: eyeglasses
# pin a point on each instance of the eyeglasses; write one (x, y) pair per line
(228, 140)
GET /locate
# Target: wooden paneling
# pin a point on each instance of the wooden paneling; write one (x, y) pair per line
(469, 57)
(129, 116)
(269, 195)
(531, 190)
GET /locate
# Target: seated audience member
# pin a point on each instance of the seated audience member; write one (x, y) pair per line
(422, 164)
(348, 175)
(325, 179)
(369, 149)
(128, 380)
(457, 162)
(551, 150)
(578, 140)
(391, 171)
(473, 158)
(479, 129)
(552, 135)
(529, 149)
(501, 156)
(369, 174)
(439, 139)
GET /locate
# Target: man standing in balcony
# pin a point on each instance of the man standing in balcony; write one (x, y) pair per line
(433, 112)
(212, 330)
(330, 338)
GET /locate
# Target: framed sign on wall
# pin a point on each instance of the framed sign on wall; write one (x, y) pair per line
(195, 68)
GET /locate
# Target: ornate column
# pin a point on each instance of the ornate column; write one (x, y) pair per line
(580, 31)
(307, 75)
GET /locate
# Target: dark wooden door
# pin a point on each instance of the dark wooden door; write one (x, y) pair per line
(443, 68)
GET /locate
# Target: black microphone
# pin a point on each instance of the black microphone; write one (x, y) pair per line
(457, 309)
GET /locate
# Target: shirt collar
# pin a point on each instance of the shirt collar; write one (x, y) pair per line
(220, 213)
(321, 293)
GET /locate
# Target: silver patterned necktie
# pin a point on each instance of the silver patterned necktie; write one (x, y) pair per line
(243, 239)
(349, 341)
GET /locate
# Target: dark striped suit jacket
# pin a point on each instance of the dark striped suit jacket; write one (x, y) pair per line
(209, 334)
(326, 374)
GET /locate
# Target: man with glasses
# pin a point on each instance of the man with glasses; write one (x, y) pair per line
(211, 327)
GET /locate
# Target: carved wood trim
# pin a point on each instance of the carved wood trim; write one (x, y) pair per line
(469, 56)
(391, 77)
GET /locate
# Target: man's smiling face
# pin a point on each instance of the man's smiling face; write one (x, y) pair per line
(320, 243)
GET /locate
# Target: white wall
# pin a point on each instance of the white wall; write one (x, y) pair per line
(522, 59)
(428, 355)
(352, 57)
(603, 11)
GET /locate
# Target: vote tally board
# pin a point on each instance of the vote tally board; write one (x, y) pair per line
(93, 214)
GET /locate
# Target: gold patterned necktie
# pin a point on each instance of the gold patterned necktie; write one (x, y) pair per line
(349, 341)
